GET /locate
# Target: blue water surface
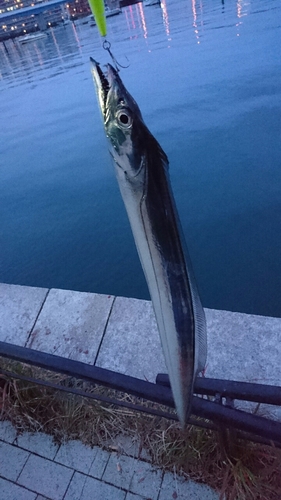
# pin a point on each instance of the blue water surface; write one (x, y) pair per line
(206, 75)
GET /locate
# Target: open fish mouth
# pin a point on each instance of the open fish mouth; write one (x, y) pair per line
(103, 82)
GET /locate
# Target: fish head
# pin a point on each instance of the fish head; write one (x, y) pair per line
(127, 134)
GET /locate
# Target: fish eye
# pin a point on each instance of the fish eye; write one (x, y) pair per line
(124, 118)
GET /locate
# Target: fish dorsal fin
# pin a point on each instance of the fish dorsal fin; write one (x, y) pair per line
(155, 153)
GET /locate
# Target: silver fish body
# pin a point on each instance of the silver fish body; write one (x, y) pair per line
(142, 172)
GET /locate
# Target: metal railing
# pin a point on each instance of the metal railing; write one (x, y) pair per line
(212, 404)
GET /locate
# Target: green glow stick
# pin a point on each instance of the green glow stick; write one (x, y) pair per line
(97, 8)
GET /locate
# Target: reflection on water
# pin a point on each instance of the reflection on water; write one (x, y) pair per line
(195, 26)
(166, 19)
(143, 23)
(207, 78)
(242, 8)
(16, 57)
(70, 41)
(19, 62)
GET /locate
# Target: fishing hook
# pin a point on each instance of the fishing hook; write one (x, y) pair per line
(106, 45)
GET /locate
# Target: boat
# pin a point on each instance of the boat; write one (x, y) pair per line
(147, 3)
(84, 20)
(31, 37)
(112, 12)
(108, 13)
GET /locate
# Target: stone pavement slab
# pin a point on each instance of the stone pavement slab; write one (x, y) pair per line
(99, 464)
(38, 443)
(146, 480)
(131, 344)
(72, 324)
(13, 460)
(19, 308)
(87, 488)
(246, 348)
(120, 470)
(11, 491)
(243, 347)
(97, 489)
(175, 487)
(45, 477)
(76, 486)
(76, 455)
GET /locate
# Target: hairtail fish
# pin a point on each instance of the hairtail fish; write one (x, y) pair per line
(141, 168)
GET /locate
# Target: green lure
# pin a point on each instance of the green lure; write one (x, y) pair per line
(97, 8)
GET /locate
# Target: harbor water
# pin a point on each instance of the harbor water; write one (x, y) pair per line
(206, 75)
